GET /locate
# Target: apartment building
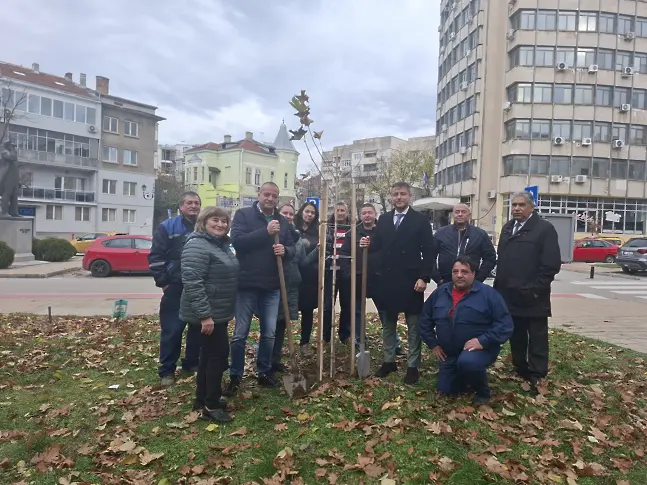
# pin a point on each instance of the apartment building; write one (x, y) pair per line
(169, 159)
(86, 157)
(564, 110)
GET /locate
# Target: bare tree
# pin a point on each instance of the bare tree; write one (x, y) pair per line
(11, 101)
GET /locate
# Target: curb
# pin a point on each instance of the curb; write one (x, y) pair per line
(605, 273)
(40, 275)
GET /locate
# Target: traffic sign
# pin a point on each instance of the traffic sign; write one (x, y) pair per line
(314, 200)
(534, 190)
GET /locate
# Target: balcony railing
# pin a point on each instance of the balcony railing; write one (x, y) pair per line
(57, 194)
(47, 158)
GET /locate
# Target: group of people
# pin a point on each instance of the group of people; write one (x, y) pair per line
(213, 270)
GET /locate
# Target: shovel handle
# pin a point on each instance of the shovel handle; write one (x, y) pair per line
(362, 337)
(284, 299)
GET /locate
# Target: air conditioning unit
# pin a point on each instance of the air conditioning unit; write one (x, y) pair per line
(467, 53)
(558, 140)
(630, 36)
(92, 129)
(593, 68)
(452, 36)
(510, 35)
(555, 179)
(464, 86)
(586, 142)
(561, 66)
(463, 150)
(624, 108)
(507, 106)
(628, 71)
(491, 194)
(580, 179)
(618, 143)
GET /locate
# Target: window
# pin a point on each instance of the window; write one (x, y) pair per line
(580, 166)
(58, 109)
(604, 96)
(563, 94)
(69, 111)
(195, 174)
(527, 20)
(80, 113)
(54, 212)
(600, 168)
(46, 106)
(109, 154)
(559, 166)
(638, 135)
(33, 104)
(521, 93)
(131, 128)
(110, 124)
(109, 186)
(625, 24)
(566, 21)
(248, 175)
(82, 214)
(546, 20)
(285, 181)
(257, 176)
(272, 176)
(143, 243)
(623, 59)
(607, 23)
(619, 169)
(519, 129)
(562, 128)
(130, 188)
(565, 55)
(640, 62)
(539, 165)
(91, 117)
(129, 216)
(583, 95)
(585, 57)
(540, 129)
(542, 93)
(544, 56)
(108, 215)
(636, 170)
(619, 132)
(582, 129)
(130, 157)
(602, 131)
(604, 59)
(588, 22)
(641, 27)
(620, 96)
(120, 243)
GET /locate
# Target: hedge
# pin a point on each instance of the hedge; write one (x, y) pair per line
(6, 255)
(52, 249)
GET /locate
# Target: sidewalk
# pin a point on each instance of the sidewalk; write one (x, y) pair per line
(41, 269)
(599, 270)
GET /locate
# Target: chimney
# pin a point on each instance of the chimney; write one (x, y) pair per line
(103, 85)
(68, 76)
(82, 79)
(227, 138)
(35, 67)
(249, 135)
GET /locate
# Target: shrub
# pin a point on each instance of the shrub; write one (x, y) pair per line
(6, 255)
(54, 249)
(34, 248)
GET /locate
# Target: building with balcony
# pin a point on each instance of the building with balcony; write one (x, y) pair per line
(229, 174)
(564, 110)
(170, 159)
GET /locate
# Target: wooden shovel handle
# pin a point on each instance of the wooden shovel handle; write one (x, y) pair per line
(284, 299)
(363, 305)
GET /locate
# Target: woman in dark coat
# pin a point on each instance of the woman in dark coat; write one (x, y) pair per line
(210, 279)
(306, 222)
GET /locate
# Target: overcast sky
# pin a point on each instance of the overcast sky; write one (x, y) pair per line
(223, 66)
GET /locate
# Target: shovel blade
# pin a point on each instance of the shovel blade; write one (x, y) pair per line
(295, 385)
(363, 364)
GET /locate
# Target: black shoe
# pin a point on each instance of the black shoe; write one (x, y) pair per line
(480, 400)
(189, 372)
(533, 386)
(267, 380)
(386, 369)
(232, 387)
(279, 367)
(399, 352)
(197, 406)
(412, 377)
(219, 415)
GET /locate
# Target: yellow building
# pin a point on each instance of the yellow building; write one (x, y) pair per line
(229, 174)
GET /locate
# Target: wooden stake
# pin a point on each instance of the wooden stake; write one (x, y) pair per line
(353, 275)
(334, 300)
(323, 228)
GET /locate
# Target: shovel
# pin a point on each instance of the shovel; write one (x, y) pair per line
(294, 382)
(363, 358)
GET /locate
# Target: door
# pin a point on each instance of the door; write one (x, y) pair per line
(598, 251)
(141, 252)
(581, 251)
(120, 253)
(84, 242)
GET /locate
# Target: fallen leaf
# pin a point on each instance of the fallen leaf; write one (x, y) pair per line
(212, 427)
(508, 413)
(239, 432)
(280, 427)
(374, 470)
(147, 457)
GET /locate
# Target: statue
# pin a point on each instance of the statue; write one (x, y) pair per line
(9, 180)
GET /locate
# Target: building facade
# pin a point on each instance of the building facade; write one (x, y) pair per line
(564, 110)
(229, 174)
(169, 159)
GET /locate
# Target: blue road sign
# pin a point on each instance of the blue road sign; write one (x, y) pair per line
(315, 200)
(534, 190)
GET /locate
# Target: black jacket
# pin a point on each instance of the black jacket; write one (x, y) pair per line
(402, 257)
(166, 252)
(345, 262)
(253, 244)
(526, 267)
(309, 268)
(210, 277)
(474, 243)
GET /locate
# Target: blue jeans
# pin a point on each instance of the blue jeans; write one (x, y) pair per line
(466, 371)
(264, 304)
(172, 329)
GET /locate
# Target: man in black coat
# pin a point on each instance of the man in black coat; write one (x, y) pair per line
(529, 259)
(252, 235)
(462, 239)
(403, 245)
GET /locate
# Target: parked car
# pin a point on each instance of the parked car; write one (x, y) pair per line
(632, 257)
(125, 253)
(82, 243)
(595, 251)
(613, 240)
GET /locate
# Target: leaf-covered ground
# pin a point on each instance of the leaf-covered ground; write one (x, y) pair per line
(79, 403)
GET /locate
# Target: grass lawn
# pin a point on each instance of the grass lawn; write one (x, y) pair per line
(63, 420)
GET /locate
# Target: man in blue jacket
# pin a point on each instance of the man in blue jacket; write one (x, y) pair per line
(252, 235)
(164, 264)
(464, 323)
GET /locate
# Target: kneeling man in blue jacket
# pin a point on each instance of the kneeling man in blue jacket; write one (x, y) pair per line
(464, 323)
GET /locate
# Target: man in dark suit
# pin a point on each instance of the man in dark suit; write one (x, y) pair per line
(529, 258)
(403, 249)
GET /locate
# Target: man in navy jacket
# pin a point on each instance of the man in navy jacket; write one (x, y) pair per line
(252, 235)
(464, 323)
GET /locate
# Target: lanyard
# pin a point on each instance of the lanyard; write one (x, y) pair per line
(460, 242)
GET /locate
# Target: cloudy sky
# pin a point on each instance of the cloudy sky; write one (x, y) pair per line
(229, 66)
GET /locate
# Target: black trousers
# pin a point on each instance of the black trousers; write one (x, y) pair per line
(307, 322)
(529, 346)
(214, 361)
(342, 288)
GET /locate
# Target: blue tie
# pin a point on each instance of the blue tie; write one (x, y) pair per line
(398, 220)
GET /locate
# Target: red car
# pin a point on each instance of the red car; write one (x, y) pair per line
(595, 251)
(118, 254)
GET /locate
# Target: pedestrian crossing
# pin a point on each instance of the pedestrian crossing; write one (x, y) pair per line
(636, 289)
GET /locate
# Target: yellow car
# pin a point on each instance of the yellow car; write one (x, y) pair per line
(82, 243)
(610, 239)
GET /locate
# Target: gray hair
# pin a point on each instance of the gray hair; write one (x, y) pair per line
(530, 198)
